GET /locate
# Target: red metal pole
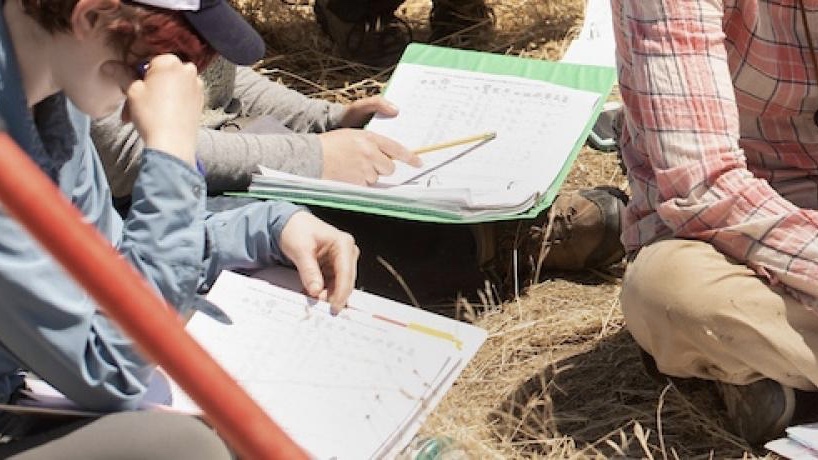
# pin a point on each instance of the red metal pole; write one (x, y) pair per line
(31, 197)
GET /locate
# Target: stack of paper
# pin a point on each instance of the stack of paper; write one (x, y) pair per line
(353, 386)
(801, 443)
(539, 126)
(425, 194)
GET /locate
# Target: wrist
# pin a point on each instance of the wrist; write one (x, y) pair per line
(180, 150)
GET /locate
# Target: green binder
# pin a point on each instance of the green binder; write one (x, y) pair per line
(594, 79)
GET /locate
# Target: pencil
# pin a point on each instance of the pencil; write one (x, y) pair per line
(465, 140)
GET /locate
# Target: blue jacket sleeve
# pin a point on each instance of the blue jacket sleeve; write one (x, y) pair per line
(51, 327)
(164, 232)
(246, 238)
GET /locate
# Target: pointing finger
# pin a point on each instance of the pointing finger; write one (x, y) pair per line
(394, 149)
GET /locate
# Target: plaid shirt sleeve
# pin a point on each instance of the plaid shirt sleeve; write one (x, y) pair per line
(714, 97)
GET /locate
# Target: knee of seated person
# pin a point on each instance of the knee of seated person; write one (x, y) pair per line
(174, 435)
(200, 441)
(665, 278)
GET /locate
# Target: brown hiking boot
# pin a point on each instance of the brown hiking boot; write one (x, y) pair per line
(367, 32)
(757, 412)
(579, 231)
(467, 17)
(760, 411)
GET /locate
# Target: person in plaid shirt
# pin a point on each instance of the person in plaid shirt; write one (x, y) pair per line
(720, 142)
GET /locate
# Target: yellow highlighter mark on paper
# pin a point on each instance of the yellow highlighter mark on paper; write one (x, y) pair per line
(443, 335)
(436, 333)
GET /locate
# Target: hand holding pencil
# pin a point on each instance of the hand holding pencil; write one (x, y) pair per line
(360, 157)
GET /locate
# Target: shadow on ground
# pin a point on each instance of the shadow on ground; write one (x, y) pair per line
(603, 401)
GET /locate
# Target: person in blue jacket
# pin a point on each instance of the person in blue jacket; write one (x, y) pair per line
(63, 62)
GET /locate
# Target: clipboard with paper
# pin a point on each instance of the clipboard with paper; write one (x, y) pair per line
(353, 386)
(541, 112)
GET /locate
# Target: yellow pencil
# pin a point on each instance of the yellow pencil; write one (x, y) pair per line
(465, 140)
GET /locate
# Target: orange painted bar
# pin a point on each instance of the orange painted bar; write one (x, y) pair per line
(33, 199)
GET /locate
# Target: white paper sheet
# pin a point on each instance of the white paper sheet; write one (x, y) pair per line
(791, 449)
(537, 124)
(455, 196)
(345, 387)
(354, 386)
(595, 44)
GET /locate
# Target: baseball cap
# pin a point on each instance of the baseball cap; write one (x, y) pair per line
(220, 26)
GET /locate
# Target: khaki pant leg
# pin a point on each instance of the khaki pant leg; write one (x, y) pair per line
(134, 435)
(701, 314)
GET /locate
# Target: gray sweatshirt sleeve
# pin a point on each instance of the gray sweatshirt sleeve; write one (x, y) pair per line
(230, 158)
(260, 96)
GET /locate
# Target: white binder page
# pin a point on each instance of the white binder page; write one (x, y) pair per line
(343, 387)
(537, 124)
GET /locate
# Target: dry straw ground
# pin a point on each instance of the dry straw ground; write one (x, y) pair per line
(559, 377)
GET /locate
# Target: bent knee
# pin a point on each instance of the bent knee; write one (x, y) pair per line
(680, 281)
(172, 435)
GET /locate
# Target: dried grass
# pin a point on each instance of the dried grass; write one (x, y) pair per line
(559, 376)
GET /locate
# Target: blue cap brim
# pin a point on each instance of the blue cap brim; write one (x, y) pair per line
(227, 32)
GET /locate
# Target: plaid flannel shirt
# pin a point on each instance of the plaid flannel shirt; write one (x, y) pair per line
(718, 136)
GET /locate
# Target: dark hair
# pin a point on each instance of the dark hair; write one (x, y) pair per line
(140, 31)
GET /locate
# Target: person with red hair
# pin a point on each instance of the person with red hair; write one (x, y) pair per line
(63, 62)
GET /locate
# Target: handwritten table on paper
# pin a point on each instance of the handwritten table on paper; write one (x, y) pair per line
(537, 124)
(342, 386)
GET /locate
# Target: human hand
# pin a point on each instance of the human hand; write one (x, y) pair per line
(165, 106)
(325, 257)
(359, 157)
(358, 113)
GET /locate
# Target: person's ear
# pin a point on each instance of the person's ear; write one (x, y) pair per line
(86, 18)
